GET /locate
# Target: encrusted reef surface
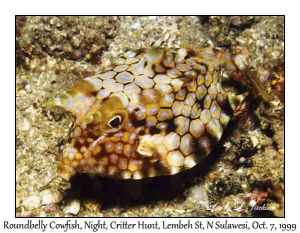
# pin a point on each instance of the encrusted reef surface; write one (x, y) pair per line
(243, 176)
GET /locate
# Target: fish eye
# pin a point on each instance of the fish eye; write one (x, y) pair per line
(115, 122)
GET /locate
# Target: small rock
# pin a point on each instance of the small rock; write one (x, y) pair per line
(92, 206)
(51, 196)
(51, 208)
(32, 202)
(27, 88)
(240, 171)
(197, 194)
(241, 21)
(76, 41)
(136, 25)
(72, 207)
(254, 141)
(242, 159)
(25, 126)
(281, 151)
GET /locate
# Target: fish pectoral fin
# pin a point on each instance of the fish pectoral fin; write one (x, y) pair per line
(148, 144)
(236, 100)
